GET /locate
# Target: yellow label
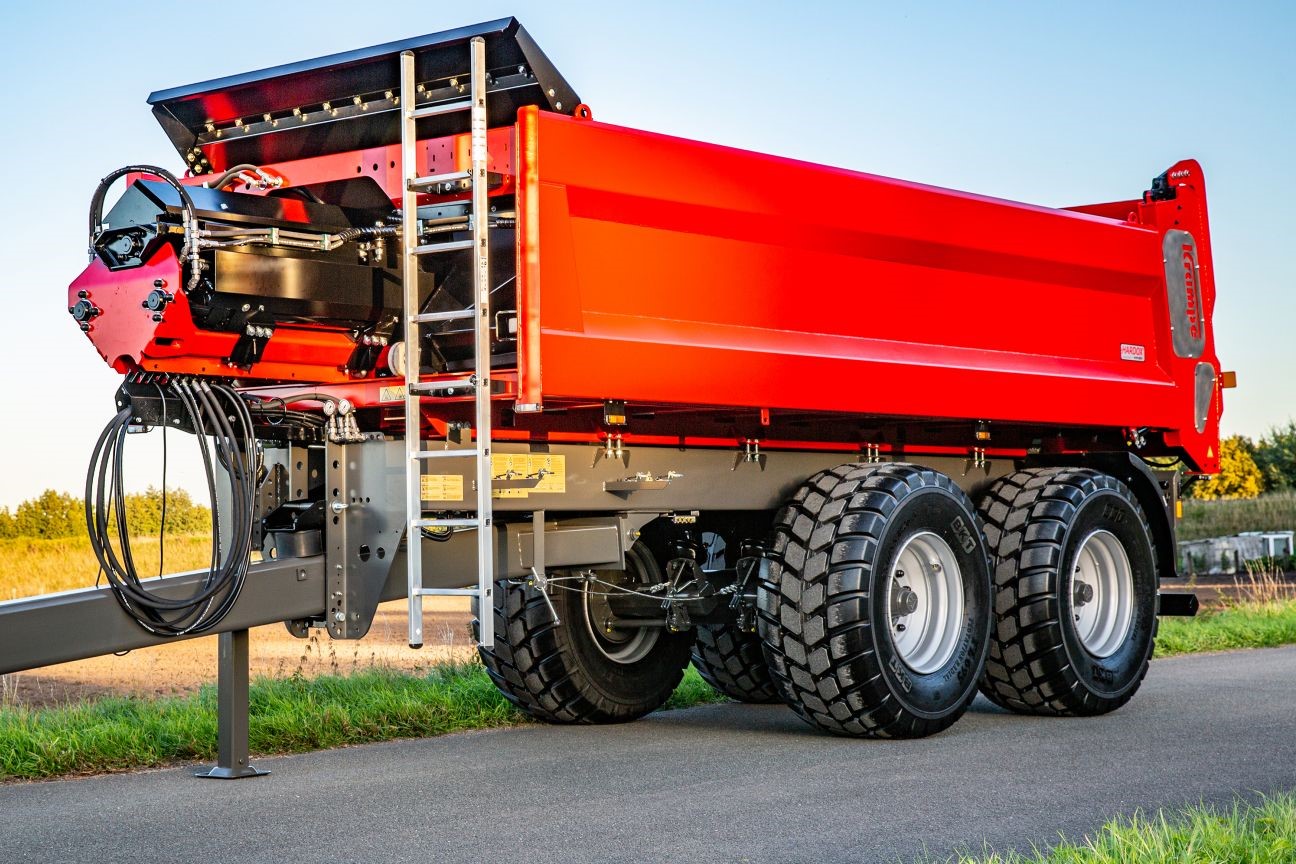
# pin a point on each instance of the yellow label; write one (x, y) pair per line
(391, 393)
(441, 487)
(529, 466)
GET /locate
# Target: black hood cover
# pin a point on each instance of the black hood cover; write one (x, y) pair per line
(346, 101)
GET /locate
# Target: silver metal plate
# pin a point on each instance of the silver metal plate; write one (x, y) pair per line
(1204, 388)
(1183, 292)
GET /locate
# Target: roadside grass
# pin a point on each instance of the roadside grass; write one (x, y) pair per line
(1245, 833)
(1261, 614)
(37, 566)
(1275, 511)
(288, 715)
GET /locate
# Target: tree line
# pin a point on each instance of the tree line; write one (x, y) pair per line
(1248, 468)
(59, 514)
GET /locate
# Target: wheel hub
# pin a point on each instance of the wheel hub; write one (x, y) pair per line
(620, 644)
(1102, 594)
(926, 603)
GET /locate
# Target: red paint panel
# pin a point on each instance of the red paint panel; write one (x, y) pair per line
(655, 269)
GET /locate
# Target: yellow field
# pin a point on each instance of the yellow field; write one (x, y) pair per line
(30, 567)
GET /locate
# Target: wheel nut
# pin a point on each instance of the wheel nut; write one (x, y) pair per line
(1083, 593)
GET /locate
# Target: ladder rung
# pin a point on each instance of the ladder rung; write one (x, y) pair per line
(454, 246)
(431, 317)
(442, 108)
(443, 454)
(450, 592)
(437, 179)
(435, 386)
(444, 523)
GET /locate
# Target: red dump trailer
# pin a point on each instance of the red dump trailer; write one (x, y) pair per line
(854, 443)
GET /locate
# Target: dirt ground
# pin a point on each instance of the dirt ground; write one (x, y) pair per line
(185, 666)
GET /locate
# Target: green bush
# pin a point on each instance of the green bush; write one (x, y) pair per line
(53, 515)
(1275, 454)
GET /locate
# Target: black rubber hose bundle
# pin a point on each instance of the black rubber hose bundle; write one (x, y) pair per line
(223, 425)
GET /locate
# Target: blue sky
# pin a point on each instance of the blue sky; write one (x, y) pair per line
(1049, 103)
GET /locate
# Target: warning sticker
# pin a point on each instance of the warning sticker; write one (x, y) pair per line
(391, 393)
(441, 487)
(525, 469)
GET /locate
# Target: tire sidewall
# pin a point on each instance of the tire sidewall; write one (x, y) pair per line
(1110, 677)
(950, 517)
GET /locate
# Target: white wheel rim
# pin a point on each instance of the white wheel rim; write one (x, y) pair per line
(924, 599)
(623, 645)
(1102, 594)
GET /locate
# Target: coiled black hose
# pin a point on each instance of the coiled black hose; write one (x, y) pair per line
(223, 425)
(97, 200)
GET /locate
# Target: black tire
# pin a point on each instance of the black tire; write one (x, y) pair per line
(559, 673)
(1035, 522)
(733, 662)
(834, 550)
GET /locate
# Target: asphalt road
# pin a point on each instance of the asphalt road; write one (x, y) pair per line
(718, 783)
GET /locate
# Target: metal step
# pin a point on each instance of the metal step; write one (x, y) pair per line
(419, 184)
(441, 108)
(461, 452)
(450, 592)
(434, 388)
(433, 317)
(433, 248)
(444, 523)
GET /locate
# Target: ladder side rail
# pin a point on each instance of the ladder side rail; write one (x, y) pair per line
(482, 345)
(413, 360)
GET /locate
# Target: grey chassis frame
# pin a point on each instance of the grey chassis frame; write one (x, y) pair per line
(608, 496)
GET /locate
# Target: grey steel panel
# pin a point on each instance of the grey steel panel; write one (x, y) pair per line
(73, 625)
(1203, 392)
(1183, 294)
(364, 521)
(708, 479)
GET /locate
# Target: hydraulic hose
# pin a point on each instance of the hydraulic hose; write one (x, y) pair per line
(223, 427)
(97, 200)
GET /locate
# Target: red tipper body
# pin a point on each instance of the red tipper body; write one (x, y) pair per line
(663, 270)
(700, 279)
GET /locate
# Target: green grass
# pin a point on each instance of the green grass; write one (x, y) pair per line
(1260, 833)
(1251, 625)
(1273, 512)
(289, 715)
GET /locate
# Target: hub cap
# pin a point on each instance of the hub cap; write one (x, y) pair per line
(925, 602)
(1102, 594)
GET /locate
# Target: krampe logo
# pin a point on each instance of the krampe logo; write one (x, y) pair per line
(1192, 292)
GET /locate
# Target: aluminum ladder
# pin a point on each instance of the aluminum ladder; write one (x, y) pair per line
(416, 391)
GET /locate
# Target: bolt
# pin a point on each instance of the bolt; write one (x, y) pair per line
(339, 616)
(1082, 594)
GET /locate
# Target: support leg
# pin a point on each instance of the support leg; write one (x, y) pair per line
(232, 711)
